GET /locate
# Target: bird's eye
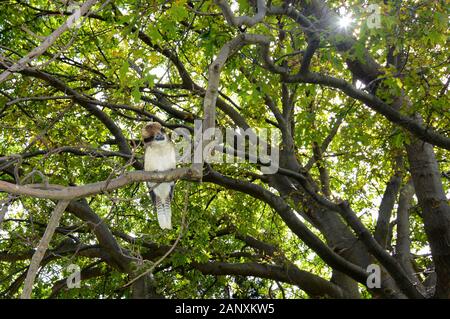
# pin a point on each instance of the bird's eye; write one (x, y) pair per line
(163, 130)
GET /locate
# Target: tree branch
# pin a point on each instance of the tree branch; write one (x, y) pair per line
(385, 211)
(244, 20)
(42, 247)
(58, 192)
(49, 40)
(313, 285)
(292, 221)
(426, 134)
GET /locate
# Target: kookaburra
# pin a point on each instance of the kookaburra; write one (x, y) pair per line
(159, 156)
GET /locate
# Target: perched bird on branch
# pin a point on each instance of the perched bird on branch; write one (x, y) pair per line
(159, 156)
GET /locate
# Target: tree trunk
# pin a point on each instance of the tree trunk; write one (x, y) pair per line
(436, 211)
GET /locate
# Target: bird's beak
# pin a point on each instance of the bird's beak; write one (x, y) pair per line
(159, 137)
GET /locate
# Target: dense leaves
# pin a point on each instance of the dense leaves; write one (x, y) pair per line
(128, 57)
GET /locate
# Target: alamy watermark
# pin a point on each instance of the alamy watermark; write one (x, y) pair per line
(374, 277)
(74, 278)
(374, 19)
(229, 145)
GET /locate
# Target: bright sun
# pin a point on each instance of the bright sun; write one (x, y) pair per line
(345, 21)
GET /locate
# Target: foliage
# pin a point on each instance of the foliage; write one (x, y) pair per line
(109, 59)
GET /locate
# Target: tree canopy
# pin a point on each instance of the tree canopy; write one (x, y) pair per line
(356, 90)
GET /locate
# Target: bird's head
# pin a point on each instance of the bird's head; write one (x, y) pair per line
(153, 132)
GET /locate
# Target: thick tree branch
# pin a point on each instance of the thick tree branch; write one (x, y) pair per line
(363, 233)
(311, 284)
(366, 69)
(58, 192)
(118, 257)
(292, 221)
(323, 170)
(424, 133)
(385, 211)
(402, 248)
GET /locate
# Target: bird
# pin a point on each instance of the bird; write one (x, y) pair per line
(159, 156)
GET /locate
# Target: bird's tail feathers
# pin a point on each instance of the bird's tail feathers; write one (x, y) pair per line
(164, 213)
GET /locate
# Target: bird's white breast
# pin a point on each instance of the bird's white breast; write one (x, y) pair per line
(160, 157)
